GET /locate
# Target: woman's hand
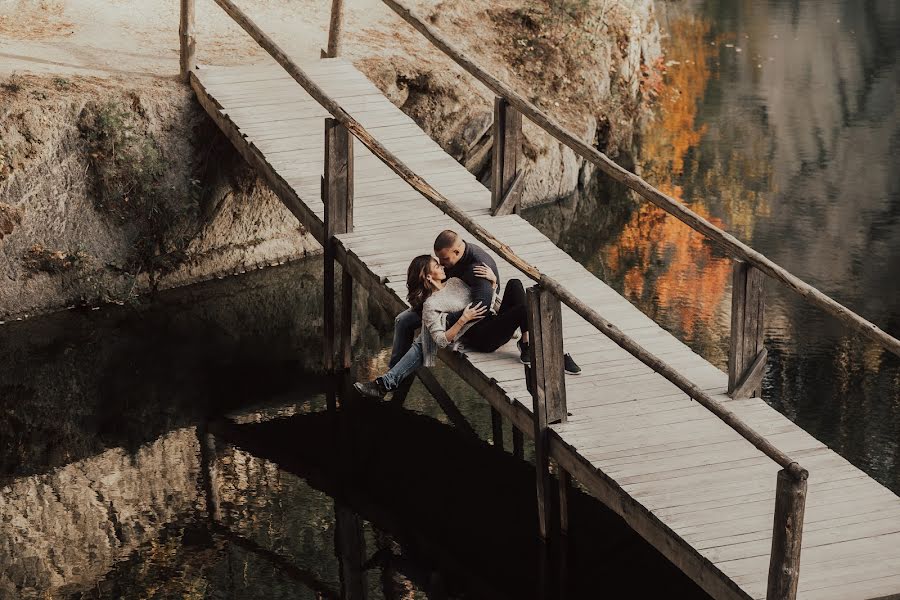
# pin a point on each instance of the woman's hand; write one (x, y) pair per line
(485, 272)
(473, 312)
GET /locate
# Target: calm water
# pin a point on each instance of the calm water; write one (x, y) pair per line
(779, 122)
(185, 448)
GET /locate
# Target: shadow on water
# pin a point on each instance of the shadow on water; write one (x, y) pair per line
(116, 485)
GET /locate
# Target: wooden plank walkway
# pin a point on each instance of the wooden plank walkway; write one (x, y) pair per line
(688, 483)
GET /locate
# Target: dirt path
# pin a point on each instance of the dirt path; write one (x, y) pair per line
(140, 37)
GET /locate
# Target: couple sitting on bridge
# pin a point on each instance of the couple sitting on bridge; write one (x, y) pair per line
(454, 295)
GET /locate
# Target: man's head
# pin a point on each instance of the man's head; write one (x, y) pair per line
(449, 248)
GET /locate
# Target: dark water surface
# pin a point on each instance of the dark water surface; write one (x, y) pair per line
(184, 449)
(777, 121)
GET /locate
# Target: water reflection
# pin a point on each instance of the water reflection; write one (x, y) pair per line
(186, 449)
(778, 122)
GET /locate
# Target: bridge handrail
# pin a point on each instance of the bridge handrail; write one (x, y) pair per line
(731, 245)
(450, 209)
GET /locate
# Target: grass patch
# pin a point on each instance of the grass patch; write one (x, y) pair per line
(128, 180)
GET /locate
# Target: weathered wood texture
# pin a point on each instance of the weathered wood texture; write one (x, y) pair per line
(337, 198)
(335, 28)
(539, 394)
(787, 536)
(726, 241)
(690, 485)
(747, 325)
(187, 41)
(506, 180)
(547, 366)
(459, 215)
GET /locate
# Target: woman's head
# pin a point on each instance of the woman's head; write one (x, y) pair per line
(421, 277)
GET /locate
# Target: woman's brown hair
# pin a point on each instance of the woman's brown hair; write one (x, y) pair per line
(417, 289)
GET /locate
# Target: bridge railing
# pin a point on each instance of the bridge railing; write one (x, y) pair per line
(548, 389)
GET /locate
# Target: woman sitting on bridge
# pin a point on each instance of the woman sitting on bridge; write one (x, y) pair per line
(439, 300)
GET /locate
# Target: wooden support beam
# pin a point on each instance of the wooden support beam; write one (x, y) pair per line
(518, 443)
(787, 535)
(505, 178)
(188, 44)
(547, 389)
(335, 27)
(752, 378)
(548, 365)
(496, 428)
(346, 320)
(747, 325)
(445, 402)
(337, 197)
(564, 484)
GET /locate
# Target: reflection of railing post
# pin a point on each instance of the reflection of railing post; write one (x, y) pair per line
(787, 534)
(186, 35)
(350, 548)
(337, 196)
(506, 179)
(747, 354)
(548, 387)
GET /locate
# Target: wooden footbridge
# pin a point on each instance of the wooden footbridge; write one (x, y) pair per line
(688, 456)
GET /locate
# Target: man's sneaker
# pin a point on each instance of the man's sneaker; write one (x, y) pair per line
(571, 367)
(524, 352)
(371, 389)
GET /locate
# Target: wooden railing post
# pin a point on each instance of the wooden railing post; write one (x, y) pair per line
(506, 178)
(186, 35)
(787, 534)
(548, 389)
(335, 25)
(337, 197)
(747, 354)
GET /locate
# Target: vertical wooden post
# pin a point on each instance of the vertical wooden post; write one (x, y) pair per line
(350, 548)
(337, 196)
(497, 428)
(506, 179)
(186, 35)
(335, 24)
(518, 443)
(563, 499)
(787, 534)
(548, 388)
(747, 329)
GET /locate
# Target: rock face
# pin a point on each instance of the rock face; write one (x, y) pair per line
(112, 189)
(585, 63)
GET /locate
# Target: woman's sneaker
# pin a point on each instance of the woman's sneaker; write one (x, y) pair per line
(372, 389)
(524, 353)
(572, 367)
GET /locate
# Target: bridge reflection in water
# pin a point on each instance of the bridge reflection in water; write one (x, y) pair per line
(147, 454)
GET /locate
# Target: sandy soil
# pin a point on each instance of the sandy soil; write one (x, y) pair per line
(140, 37)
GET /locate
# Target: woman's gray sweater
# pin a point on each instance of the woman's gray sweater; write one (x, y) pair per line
(453, 297)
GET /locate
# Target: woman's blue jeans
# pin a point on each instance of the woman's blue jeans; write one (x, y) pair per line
(405, 367)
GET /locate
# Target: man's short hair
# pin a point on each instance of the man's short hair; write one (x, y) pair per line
(445, 240)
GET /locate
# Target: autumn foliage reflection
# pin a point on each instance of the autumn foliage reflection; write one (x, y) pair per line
(663, 266)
